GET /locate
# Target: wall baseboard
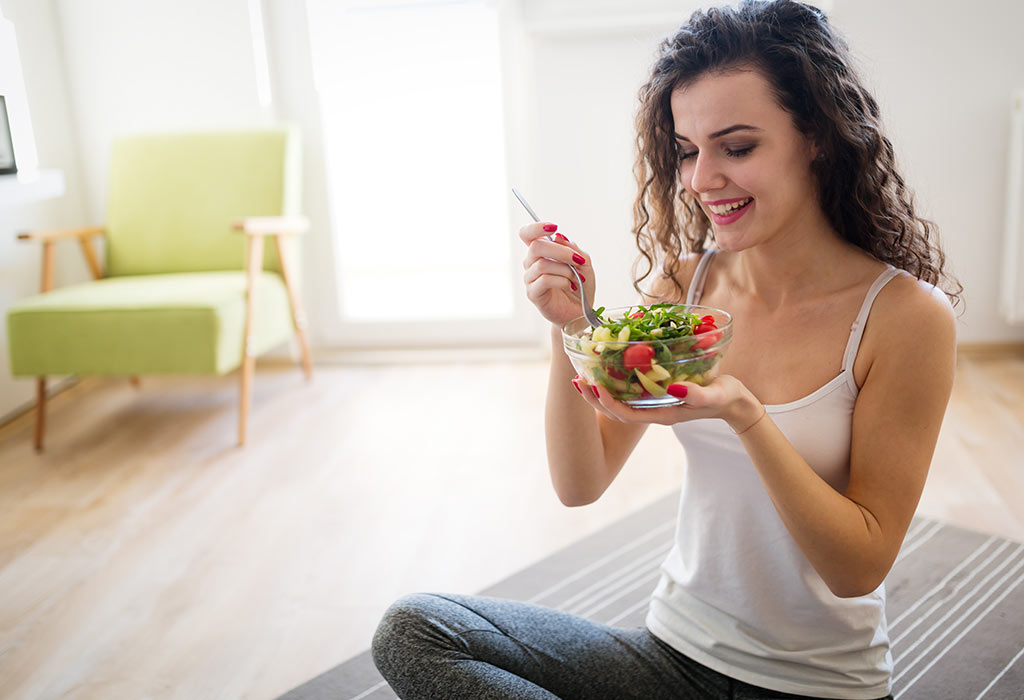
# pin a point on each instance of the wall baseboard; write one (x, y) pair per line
(990, 350)
(430, 356)
(52, 390)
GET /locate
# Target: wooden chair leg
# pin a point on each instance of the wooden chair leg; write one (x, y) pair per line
(248, 366)
(253, 265)
(295, 302)
(307, 360)
(40, 412)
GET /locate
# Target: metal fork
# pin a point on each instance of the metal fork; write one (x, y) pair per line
(587, 310)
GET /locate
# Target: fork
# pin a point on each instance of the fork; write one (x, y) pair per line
(592, 318)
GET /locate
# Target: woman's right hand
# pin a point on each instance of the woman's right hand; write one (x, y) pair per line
(550, 284)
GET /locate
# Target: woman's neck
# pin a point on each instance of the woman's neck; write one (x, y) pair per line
(794, 267)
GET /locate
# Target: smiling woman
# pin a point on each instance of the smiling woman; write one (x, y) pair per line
(766, 189)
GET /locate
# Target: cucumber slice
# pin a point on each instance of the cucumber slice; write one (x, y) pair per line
(589, 347)
(658, 373)
(652, 386)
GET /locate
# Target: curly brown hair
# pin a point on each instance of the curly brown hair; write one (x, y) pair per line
(809, 68)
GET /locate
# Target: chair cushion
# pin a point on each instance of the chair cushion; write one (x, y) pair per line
(189, 323)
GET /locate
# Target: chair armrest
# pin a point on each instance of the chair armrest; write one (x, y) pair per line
(271, 225)
(49, 240)
(47, 236)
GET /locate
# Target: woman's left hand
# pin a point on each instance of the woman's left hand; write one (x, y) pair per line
(724, 397)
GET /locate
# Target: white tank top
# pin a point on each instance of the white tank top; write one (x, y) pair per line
(736, 593)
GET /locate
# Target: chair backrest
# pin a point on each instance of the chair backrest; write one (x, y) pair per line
(173, 197)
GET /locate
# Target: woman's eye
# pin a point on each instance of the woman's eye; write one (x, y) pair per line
(730, 152)
(738, 152)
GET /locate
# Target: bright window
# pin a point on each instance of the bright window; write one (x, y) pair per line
(413, 122)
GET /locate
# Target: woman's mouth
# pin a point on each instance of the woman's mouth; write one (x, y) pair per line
(725, 211)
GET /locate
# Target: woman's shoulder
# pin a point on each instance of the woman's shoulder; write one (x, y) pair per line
(674, 288)
(913, 314)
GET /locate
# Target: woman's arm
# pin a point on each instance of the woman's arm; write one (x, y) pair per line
(852, 538)
(586, 450)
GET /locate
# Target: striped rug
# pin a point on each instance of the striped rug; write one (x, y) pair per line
(955, 606)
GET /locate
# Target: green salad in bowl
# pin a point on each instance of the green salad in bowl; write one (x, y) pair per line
(638, 351)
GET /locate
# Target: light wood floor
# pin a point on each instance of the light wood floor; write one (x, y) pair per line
(144, 556)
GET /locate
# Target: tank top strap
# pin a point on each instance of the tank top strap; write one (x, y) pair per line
(857, 329)
(696, 289)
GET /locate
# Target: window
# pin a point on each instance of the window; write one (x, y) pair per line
(413, 117)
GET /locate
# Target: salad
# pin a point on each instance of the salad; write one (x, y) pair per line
(638, 355)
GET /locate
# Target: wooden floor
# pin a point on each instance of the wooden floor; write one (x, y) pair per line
(144, 556)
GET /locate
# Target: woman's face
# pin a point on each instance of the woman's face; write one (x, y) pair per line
(743, 160)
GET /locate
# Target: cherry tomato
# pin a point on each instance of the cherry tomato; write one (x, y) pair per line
(708, 319)
(704, 328)
(638, 357)
(707, 339)
(638, 314)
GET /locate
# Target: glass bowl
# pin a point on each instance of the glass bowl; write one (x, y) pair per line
(639, 383)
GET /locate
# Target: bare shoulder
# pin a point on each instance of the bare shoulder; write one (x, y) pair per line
(911, 319)
(662, 288)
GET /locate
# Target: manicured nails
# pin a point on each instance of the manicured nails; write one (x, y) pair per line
(677, 390)
(550, 228)
(597, 394)
(579, 259)
(560, 237)
(576, 383)
(582, 278)
(573, 286)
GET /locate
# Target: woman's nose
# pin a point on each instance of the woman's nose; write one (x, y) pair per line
(706, 176)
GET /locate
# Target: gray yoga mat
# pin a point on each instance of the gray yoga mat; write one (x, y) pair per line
(955, 606)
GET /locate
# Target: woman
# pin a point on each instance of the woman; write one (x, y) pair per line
(806, 456)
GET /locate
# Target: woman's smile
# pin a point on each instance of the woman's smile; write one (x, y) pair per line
(726, 211)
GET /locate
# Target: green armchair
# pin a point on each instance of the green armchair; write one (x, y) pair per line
(188, 286)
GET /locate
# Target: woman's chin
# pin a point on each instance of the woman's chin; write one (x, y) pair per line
(729, 242)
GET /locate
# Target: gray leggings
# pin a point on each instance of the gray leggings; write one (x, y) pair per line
(435, 647)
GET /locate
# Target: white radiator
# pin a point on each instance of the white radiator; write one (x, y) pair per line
(1011, 299)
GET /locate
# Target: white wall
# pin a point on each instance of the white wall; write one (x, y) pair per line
(56, 142)
(155, 66)
(944, 74)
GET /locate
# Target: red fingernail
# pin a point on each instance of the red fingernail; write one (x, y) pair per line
(550, 228)
(579, 259)
(575, 384)
(596, 392)
(573, 285)
(582, 278)
(677, 390)
(560, 237)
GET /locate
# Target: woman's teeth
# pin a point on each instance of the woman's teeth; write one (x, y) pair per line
(723, 209)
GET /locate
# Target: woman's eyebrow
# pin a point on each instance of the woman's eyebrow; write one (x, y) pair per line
(723, 132)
